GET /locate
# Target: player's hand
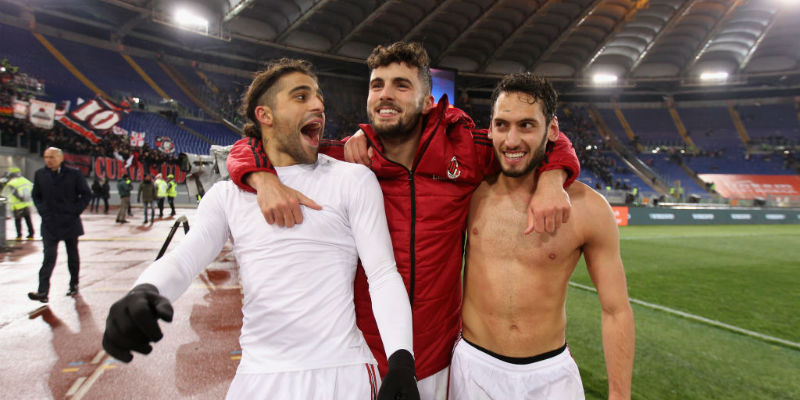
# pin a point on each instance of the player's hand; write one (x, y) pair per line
(132, 322)
(549, 206)
(356, 149)
(400, 382)
(279, 203)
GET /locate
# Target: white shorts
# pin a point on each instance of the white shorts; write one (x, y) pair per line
(351, 382)
(434, 387)
(475, 374)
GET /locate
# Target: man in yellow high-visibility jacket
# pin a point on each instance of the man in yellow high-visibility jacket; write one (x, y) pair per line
(172, 192)
(18, 191)
(161, 194)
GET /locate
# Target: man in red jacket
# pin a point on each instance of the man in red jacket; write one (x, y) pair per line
(428, 158)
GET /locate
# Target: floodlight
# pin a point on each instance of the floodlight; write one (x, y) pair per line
(604, 79)
(189, 19)
(714, 76)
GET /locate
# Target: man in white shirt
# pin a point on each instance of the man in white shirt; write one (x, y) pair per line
(299, 318)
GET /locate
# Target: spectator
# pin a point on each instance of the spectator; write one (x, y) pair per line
(97, 194)
(147, 195)
(124, 188)
(106, 193)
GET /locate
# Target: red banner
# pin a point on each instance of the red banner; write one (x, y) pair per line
(92, 117)
(751, 186)
(113, 169)
(81, 163)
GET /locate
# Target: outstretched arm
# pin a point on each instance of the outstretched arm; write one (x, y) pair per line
(173, 273)
(132, 323)
(250, 169)
(604, 264)
(390, 303)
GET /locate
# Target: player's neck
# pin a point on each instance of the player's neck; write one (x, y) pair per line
(403, 150)
(277, 157)
(521, 184)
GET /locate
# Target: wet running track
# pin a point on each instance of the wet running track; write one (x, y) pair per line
(53, 350)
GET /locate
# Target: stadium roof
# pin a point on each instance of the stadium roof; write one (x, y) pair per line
(647, 43)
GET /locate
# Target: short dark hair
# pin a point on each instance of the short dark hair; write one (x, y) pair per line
(259, 91)
(535, 86)
(410, 53)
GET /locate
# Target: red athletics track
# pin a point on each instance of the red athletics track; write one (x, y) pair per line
(55, 352)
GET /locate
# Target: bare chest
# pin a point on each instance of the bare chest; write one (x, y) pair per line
(496, 229)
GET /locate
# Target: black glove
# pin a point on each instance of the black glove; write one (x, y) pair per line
(132, 322)
(400, 382)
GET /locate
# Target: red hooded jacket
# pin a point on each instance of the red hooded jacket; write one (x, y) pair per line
(426, 208)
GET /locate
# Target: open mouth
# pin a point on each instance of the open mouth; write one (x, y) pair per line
(312, 131)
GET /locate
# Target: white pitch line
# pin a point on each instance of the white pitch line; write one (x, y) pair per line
(98, 357)
(718, 324)
(75, 386)
(87, 384)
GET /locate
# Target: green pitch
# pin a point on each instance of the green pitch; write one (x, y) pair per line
(737, 277)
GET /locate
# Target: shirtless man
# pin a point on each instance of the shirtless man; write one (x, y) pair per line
(514, 317)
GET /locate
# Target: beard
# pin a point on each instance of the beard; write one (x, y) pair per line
(292, 145)
(536, 160)
(400, 130)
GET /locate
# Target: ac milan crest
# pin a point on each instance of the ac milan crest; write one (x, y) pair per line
(165, 144)
(453, 170)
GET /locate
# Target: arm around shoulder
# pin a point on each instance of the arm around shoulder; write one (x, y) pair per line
(562, 156)
(250, 170)
(246, 156)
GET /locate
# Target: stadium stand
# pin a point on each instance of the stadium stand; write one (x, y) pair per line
(771, 124)
(610, 118)
(214, 131)
(155, 125)
(157, 74)
(113, 75)
(653, 126)
(711, 128)
(21, 48)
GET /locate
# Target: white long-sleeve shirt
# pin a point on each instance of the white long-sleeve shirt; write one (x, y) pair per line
(298, 282)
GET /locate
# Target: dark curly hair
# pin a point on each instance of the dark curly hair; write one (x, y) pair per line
(259, 92)
(535, 86)
(410, 53)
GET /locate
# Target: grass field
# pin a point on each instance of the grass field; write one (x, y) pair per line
(743, 276)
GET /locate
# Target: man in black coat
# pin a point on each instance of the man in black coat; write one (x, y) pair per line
(60, 194)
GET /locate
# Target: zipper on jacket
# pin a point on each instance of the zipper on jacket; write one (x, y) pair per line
(411, 172)
(413, 234)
